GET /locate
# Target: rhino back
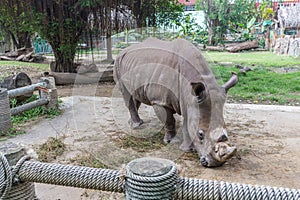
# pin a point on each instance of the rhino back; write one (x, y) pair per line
(157, 72)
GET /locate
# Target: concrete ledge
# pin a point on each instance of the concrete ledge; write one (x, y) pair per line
(294, 109)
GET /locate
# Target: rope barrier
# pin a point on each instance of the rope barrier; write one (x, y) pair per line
(5, 176)
(146, 178)
(151, 178)
(74, 176)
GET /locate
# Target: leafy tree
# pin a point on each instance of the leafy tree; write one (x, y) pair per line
(223, 16)
(63, 22)
(17, 20)
(191, 31)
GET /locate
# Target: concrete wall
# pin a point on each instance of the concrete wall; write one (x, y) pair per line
(288, 45)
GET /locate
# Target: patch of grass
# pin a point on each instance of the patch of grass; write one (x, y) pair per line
(41, 66)
(88, 160)
(34, 113)
(265, 59)
(141, 144)
(51, 149)
(12, 132)
(262, 85)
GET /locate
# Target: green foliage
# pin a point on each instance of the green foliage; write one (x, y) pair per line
(191, 31)
(12, 132)
(247, 30)
(265, 10)
(19, 21)
(221, 16)
(168, 12)
(32, 114)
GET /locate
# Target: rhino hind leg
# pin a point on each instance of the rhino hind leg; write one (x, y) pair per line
(133, 106)
(165, 115)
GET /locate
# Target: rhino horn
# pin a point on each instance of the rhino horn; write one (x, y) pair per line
(224, 151)
(231, 82)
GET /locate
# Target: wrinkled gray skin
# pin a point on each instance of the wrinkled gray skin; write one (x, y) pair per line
(174, 77)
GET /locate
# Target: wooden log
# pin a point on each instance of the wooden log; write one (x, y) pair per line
(243, 46)
(16, 81)
(28, 56)
(20, 57)
(215, 48)
(104, 75)
(6, 58)
(13, 54)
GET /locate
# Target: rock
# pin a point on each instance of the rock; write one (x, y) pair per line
(87, 68)
(287, 46)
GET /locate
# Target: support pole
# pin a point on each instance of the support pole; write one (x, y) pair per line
(28, 106)
(5, 116)
(23, 90)
(51, 95)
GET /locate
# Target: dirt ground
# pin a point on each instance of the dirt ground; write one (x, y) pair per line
(267, 137)
(94, 118)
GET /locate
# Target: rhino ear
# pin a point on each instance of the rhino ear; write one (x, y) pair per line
(198, 90)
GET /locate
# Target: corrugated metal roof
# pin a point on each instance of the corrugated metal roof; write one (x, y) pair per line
(187, 2)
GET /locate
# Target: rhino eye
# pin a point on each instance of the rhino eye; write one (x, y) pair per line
(201, 97)
(201, 135)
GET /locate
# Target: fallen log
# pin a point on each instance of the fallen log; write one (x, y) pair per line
(21, 57)
(215, 48)
(243, 46)
(104, 75)
(27, 57)
(6, 58)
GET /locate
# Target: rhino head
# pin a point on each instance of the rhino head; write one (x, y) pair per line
(205, 123)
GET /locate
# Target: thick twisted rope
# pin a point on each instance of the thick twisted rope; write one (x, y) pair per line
(74, 176)
(151, 187)
(206, 189)
(165, 186)
(6, 176)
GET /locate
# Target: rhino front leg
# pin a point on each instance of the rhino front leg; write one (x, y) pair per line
(165, 115)
(187, 144)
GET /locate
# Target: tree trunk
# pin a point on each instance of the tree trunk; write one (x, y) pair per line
(21, 40)
(63, 62)
(109, 48)
(108, 35)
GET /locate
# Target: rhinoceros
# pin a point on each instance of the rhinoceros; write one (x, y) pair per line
(174, 77)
